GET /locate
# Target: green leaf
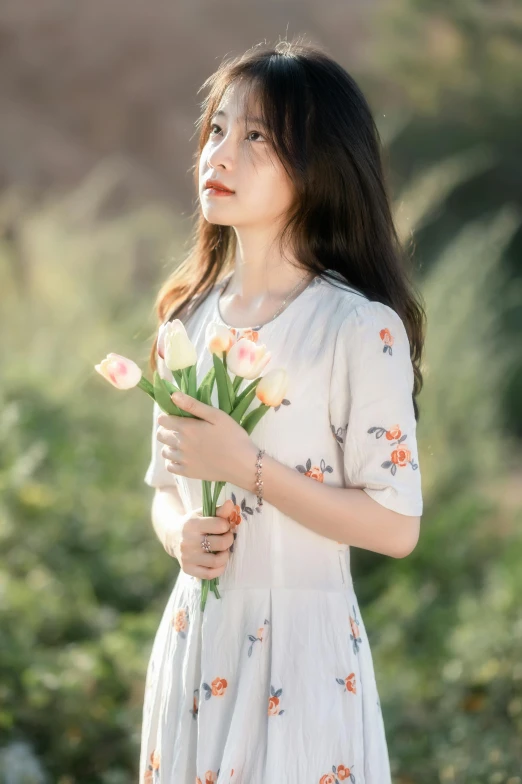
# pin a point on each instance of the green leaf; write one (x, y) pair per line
(251, 419)
(184, 380)
(192, 385)
(162, 395)
(173, 388)
(242, 406)
(224, 388)
(178, 376)
(247, 389)
(204, 392)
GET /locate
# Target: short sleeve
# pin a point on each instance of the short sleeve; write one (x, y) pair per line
(371, 408)
(157, 474)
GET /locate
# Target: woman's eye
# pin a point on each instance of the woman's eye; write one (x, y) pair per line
(213, 125)
(257, 133)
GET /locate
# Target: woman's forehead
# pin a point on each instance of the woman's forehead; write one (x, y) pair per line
(240, 99)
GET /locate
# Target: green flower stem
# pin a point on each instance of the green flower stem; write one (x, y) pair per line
(209, 510)
(147, 387)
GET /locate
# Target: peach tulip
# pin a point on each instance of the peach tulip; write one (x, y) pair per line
(247, 359)
(272, 387)
(121, 372)
(175, 346)
(218, 338)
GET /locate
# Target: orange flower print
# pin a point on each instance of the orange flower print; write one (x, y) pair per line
(259, 637)
(339, 773)
(180, 621)
(195, 708)
(248, 334)
(236, 516)
(153, 770)
(355, 636)
(387, 338)
(211, 777)
(401, 456)
(217, 688)
(348, 682)
(273, 702)
(315, 472)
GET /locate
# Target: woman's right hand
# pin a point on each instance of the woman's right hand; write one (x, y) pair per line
(191, 556)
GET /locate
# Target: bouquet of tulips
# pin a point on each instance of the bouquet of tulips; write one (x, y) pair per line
(242, 356)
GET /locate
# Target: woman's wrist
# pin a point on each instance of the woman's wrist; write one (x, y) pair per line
(246, 476)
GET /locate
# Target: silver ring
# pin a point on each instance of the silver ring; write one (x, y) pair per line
(205, 544)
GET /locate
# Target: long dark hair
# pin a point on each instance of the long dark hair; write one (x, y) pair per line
(322, 130)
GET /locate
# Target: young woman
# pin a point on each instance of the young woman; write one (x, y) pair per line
(274, 681)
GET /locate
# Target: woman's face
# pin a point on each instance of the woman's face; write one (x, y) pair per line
(246, 163)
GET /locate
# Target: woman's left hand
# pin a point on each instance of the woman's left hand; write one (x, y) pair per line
(214, 447)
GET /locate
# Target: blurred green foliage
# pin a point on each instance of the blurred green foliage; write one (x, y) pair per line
(83, 578)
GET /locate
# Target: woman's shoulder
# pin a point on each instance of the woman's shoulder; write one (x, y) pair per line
(353, 313)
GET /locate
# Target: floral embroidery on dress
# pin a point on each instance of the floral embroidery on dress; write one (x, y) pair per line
(273, 702)
(348, 682)
(236, 516)
(180, 621)
(284, 402)
(339, 434)
(211, 777)
(339, 773)
(355, 636)
(259, 637)
(195, 709)
(387, 339)
(315, 472)
(153, 770)
(247, 333)
(217, 688)
(399, 457)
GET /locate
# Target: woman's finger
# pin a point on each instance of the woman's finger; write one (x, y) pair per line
(170, 453)
(168, 437)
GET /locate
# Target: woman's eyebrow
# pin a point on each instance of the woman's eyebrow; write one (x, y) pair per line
(252, 119)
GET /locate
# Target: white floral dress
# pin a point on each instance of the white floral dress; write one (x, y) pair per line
(274, 682)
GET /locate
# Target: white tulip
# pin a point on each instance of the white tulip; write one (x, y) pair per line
(272, 387)
(218, 338)
(178, 350)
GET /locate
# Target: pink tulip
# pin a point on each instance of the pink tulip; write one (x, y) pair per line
(121, 372)
(247, 359)
(272, 387)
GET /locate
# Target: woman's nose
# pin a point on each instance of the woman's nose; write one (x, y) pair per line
(222, 154)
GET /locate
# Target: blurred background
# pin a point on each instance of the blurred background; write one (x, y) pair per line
(98, 103)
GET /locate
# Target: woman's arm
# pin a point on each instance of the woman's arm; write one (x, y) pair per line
(168, 514)
(343, 514)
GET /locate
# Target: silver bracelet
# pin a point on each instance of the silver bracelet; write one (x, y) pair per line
(259, 481)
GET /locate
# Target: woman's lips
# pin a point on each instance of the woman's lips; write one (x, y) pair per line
(218, 192)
